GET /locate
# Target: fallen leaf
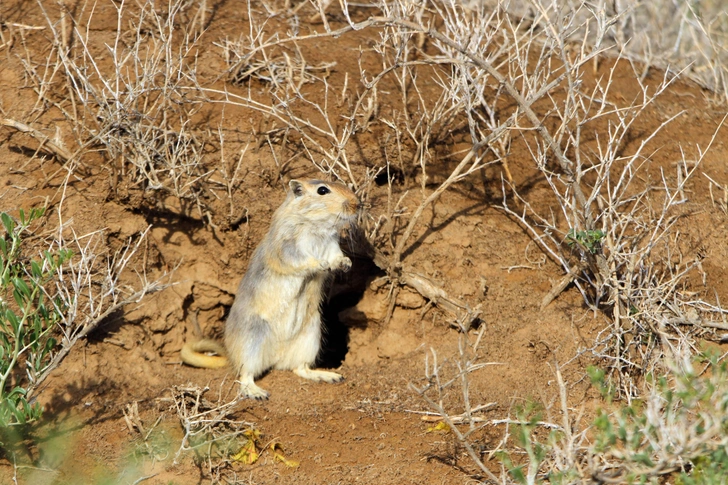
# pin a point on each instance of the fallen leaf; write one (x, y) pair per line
(249, 454)
(440, 427)
(277, 450)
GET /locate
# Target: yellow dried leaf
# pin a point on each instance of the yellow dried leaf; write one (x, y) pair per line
(286, 461)
(441, 427)
(249, 454)
(277, 450)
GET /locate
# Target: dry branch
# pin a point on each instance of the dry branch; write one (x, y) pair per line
(45, 142)
(561, 285)
(462, 313)
(70, 341)
(460, 436)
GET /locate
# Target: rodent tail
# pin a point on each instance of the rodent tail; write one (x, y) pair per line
(195, 354)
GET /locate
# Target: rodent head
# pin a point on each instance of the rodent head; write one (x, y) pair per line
(331, 204)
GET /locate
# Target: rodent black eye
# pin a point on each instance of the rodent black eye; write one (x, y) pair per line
(323, 190)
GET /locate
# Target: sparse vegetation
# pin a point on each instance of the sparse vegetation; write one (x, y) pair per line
(447, 96)
(676, 429)
(48, 303)
(28, 317)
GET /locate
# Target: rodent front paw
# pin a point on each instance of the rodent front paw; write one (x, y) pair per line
(344, 264)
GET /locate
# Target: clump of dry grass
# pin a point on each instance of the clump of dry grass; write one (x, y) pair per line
(212, 434)
(133, 100)
(205, 423)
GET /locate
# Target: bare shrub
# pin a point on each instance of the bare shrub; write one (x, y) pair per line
(97, 282)
(134, 99)
(674, 36)
(211, 430)
(674, 430)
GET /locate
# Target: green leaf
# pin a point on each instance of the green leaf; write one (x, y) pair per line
(4, 330)
(27, 410)
(4, 340)
(643, 458)
(37, 329)
(64, 255)
(35, 270)
(58, 307)
(42, 311)
(50, 344)
(18, 298)
(12, 319)
(48, 257)
(36, 212)
(17, 391)
(4, 247)
(518, 475)
(19, 413)
(22, 286)
(7, 222)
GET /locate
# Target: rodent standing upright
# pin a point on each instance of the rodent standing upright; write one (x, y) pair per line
(275, 320)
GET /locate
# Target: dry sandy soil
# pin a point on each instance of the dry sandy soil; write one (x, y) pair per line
(366, 429)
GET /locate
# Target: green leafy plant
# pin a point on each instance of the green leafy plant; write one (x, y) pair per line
(590, 240)
(678, 428)
(528, 416)
(28, 315)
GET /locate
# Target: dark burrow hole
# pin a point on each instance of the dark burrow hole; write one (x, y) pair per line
(345, 292)
(393, 175)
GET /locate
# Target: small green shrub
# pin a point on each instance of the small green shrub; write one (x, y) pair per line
(28, 315)
(678, 429)
(528, 416)
(589, 240)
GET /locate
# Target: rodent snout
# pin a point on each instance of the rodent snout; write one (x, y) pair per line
(353, 206)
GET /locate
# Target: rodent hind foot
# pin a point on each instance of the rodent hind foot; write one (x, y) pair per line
(254, 392)
(249, 390)
(318, 375)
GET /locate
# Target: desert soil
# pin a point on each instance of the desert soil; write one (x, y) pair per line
(367, 429)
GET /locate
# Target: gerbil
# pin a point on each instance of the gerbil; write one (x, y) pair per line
(275, 320)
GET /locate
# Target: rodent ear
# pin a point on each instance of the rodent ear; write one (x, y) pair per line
(296, 187)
